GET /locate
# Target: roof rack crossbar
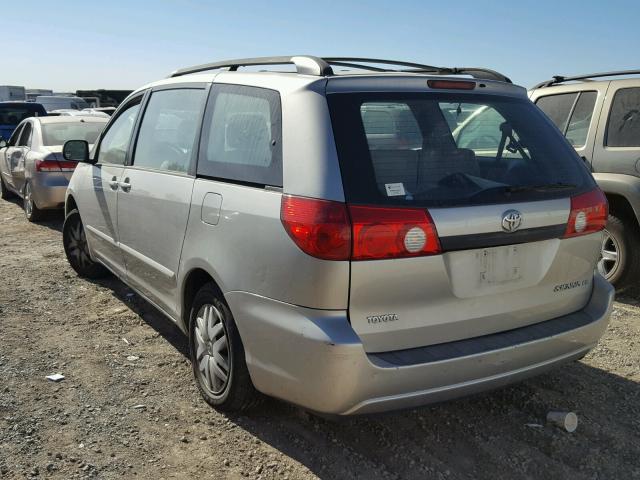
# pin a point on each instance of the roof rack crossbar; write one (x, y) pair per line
(556, 79)
(305, 64)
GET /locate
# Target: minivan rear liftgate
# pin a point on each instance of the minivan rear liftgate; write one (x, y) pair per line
(467, 215)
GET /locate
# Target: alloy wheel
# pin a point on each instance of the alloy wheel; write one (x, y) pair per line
(609, 255)
(77, 245)
(28, 200)
(212, 352)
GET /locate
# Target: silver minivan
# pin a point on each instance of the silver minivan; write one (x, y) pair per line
(332, 239)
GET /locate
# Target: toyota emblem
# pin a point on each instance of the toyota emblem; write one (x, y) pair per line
(511, 220)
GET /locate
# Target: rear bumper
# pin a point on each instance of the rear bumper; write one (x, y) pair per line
(314, 359)
(49, 189)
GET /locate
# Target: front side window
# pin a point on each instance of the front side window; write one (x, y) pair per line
(25, 136)
(580, 120)
(58, 133)
(168, 130)
(504, 151)
(242, 136)
(571, 113)
(623, 128)
(558, 108)
(115, 142)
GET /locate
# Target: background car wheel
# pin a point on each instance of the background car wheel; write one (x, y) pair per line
(620, 256)
(217, 354)
(77, 249)
(5, 193)
(31, 211)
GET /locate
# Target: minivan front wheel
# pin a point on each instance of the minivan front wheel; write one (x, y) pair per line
(76, 248)
(619, 256)
(217, 354)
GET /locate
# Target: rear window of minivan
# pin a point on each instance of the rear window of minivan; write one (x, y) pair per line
(441, 149)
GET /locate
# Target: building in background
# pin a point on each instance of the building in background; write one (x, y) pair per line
(12, 93)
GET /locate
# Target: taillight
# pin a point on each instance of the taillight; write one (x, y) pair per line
(451, 84)
(589, 213)
(47, 166)
(380, 232)
(52, 165)
(333, 231)
(67, 166)
(319, 227)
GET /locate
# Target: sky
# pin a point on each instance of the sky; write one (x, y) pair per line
(70, 45)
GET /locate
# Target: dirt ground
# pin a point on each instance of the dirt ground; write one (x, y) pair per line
(128, 407)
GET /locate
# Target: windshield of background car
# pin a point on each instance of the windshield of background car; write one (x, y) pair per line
(58, 133)
(442, 149)
(13, 115)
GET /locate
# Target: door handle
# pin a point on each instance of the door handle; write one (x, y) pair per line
(114, 183)
(125, 185)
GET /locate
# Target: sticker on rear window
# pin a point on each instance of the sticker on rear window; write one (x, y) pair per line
(394, 189)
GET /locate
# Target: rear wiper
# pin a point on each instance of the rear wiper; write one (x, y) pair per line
(539, 188)
(509, 189)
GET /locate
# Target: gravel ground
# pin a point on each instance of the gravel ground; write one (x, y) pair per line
(128, 406)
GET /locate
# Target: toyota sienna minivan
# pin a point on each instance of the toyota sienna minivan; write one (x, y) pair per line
(335, 239)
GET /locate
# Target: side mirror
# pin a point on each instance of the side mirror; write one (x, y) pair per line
(3, 142)
(76, 151)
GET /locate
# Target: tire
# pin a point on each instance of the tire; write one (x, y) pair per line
(77, 250)
(620, 255)
(31, 210)
(5, 193)
(214, 343)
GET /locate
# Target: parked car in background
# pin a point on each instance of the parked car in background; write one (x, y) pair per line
(325, 239)
(601, 120)
(87, 112)
(107, 110)
(61, 103)
(12, 113)
(31, 162)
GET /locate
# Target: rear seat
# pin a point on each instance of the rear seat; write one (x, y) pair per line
(436, 164)
(413, 167)
(396, 166)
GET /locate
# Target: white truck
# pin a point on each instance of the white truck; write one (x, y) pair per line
(11, 93)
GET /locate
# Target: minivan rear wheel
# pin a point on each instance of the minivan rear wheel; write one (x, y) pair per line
(217, 354)
(76, 248)
(619, 256)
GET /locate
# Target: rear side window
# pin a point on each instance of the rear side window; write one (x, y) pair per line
(167, 134)
(13, 114)
(571, 112)
(503, 151)
(25, 136)
(623, 128)
(241, 136)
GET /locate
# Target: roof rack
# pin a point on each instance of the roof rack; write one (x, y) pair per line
(475, 72)
(310, 65)
(556, 79)
(305, 64)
